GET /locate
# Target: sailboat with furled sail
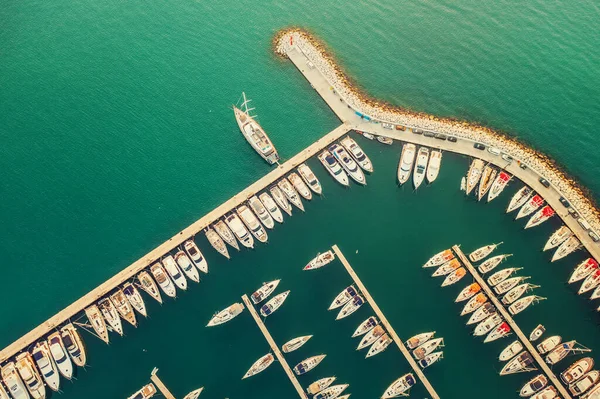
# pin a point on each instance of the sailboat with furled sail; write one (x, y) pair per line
(254, 133)
(194, 394)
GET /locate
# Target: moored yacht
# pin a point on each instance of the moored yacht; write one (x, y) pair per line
(259, 210)
(259, 365)
(175, 272)
(419, 339)
(271, 207)
(549, 344)
(468, 292)
(534, 385)
(135, 298)
(531, 206)
(300, 186)
(264, 291)
(433, 166)
(428, 347)
(558, 237)
(379, 346)
(519, 364)
(334, 168)
(510, 351)
(592, 281)
(290, 193)
(515, 293)
(319, 385)
(274, 303)
(498, 185)
(474, 174)
(350, 307)
(308, 364)
(560, 352)
(13, 382)
(30, 375)
(196, 256)
(295, 343)
(309, 178)
(147, 283)
(365, 326)
(439, 258)
(446, 268)
(399, 387)
(254, 133)
(485, 326)
(348, 163)
(430, 359)
(361, 158)
(371, 337)
(46, 365)
(546, 393)
(332, 392)
(74, 344)
(97, 322)
(501, 275)
(583, 270)
(474, 303)
(540, 217)
(586, 382)
(519, 199)
(343, 297)
(226, 314)
(489, 264)
(577, 370)
(162, 278)
(487, 179)
(111, 315)
(521, 304)
(60, 355)
(482, 252)
(509, 284)
(241, 233)
(385, 140)
(569, 246)
(223, 230)
(454, 276)
(407, 158)
(482, 313)
(281, 200)
(320, 260)
(252, 223)
(185, 264)
(217, 242)
(420, 166)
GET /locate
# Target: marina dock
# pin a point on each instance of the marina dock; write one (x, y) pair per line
(513, 325)
(386, 323)
(162, 388)
(274, 348)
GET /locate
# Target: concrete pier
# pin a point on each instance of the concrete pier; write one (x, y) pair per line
(511, 322)
(386, 324)
(162, 388)
(274, 347)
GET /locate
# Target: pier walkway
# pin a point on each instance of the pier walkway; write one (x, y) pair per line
(386, 323)
(160, 385)
(274, 347)
(463, 146)
(132, 270)
(508, 318)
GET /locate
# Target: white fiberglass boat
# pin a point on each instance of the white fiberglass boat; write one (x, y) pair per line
(501, 275)
(343, 297)
(534, 385)
(371, 337)
(30, 375)
(498, 185)
(430, 359)
(385, 140)
(558, 237)
(509, 284)
(290, 193)
(519, 199)
(332, 392)
(237, 227)
(583, 270)
(540, 217)
(468, 292)
(47, 366)
(253, 133)
(281, 200)
(419, 339)
(454, 277)
(515, 293)
(217, 242)
(97, 322)
(549, 344)
(399, 387)
(320, 385)
(295, 343)
(379, 346)
(482, 313)
(482, 252)
(264, 291)
(348, 163)
(320, 260)
(309, 178)
(271, 207)
(366, 135)
(333, 167)
(124, 307)
(350, 307)
(510, 351)
(592, 281)
(485, 326)
(521, 363)
(534, 203)
(560, 352)
(162, 278)
(60, 355)
(274, 303)
(577, 370)
(420, 166)
(259, 365)
(474, 174)
(13, 382)
(428, 347)
(407, 158)
(226, 314)
(308, 364)
(521, 304)
(300, 186)
(185, 264)
(365, 326)
(433, 167)
(252, 223)
(487, 179)
(226, 234)
(175, 272)
(586, 382)
(147, 283)
(74, 344)
(446, 268)
(361, 158)
(474, 303)
(569, 246)
(547, 393)
(196, 256)
(491, 263)
(439, 258)
(111, 315)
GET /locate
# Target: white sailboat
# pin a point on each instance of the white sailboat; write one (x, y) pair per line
(365, 326)
(281, 199)
(350, 307)
(420, 166)
(226, 314)
(295, 343)
(399, 387)
(147, 283)
(501, 275)
(274, 303)
(343, 297)
(567, 247)
(499, 185)
(531, 206)
(379, 346)
(260, 365)
(510, 351)
(519, 199)
(290, 193)
(264, 291)
(490, 264)
(487, 178)
(254, 133)
(419, 339)
(217, 242)
(439, 258)
(320, 260)
(523, 303)
(474, 174)
(558, 237)
(583, 270)
(482, 252)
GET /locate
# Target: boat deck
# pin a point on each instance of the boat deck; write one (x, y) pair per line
(508, 318)
(386, 323)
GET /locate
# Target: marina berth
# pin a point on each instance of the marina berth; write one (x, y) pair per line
(482, 252)
(433, 166)
(419, 339)
(97, 322)
(503, 330)
(560, 352)
(348, 163)
(371, 337)
(281, 199)
(498, 185)
(568, 247)
(135, 299)
(430, 359)
(320, 260)
(510, 351)
(300, 185)
(60, 355)
(586, 382)
(74, 344)
(446, 268)
(357, 153)
(175, 272)
(226, 314)
(254, 133)
(333, 167)
(577, 370)
(226, 234)
(274, 303)
(590, 282)
(295, 343)
(13, 382)
(290, 193)
(546, 393)
(515, 293)
(521, 363)
(308, 364)
(487, 179)
(474, 175)
(331, 392)
(531, 206)
(540, 216)
(420, 166)
(501, 275)
(309, 178)
(350, 307)
(407, 158)
(534, 385)
(259, 210)
(519, 199)
(241, 233)
(319, 385)
(521, 304)
(260, 365)
(454, 277)
(558, 237)
(46, 365)
(440, 258)
(548, 344)
(185, 264)
(343, 297)
(399, 387)
(468, 292)
(474, 303)
(509, 284)
(482, 313)
(271, 207)
(379, 346)
(30, 375)
(365, 326)
(428, 347)
(583, 270)
(164, 281)
(192, 250)
(111, 315)
(485, 326)
(252, 223)
(147, 283)
(264, 291)
(490, 264)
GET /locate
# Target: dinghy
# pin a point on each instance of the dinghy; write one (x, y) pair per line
(519, 199)
(365, 326)
(537, 333)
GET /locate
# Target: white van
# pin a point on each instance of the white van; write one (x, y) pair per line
(494, 151)
(583, 223)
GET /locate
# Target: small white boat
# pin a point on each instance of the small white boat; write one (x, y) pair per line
(123, 306)
(419, 339)
(111, 315)
(348, 163)
(547, 393)
(319, 385)
(468, 292)
(463, 184)
(226, 314)
(385, 140)
(503, 330)
(343, 297)
(454, 277)
(586, 382)
(260, 365)
(371, 337)
(290, 193)
(430, 359)
(163, 279)
(583, 270)
(47, 366)
(531, 206)
(361, 158)
(428, 347)
(549, 344)
(379, 346)
(13, 382)
(237, 227)
(273, 304)
(185, 264)
(217, 242)
(440, 258)
(60, 355)
(560, 352)
(510, 351)
(226, 234)
(320, 260)
(146, 392)
(534, 385)
(30, 375)
(521, 363)
(474, 303)
(300, 186)
(474, 174)
(351, 307)
(577, 370)
(295, 343)
(135, 298)
(590, 282)
(420, 166)
(271, 207)
(175, 272)
(281, 200)
(569, 246)
(399, 387)
(331, 392)
(308, 364)
(365, 326)
(147, 283)
(196, 256)
(334, 168)
(509, 284)
(537, 333)
(523, 303)
(97, 322)
(501, 275)
(487, 179)
(433, 166)
(540, 216)
(490, 264)
(482, 252)
(483, 312)
(74, 344)
(259, 210)
(558, 237)
(519, 199)
(446, 268)
(515, 293)
(407, 158)
(264, 291)
(309, 177)
(367, 135)
(498, 185)
(485, 326)
(252, 223)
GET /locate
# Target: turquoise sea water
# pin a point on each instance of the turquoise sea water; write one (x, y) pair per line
(116, 133)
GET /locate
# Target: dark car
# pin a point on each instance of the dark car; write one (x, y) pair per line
(479, 146)
(564, 202)
(452, 139)
(544, 182)
(417, 131)
(429, 134)
(440, 136)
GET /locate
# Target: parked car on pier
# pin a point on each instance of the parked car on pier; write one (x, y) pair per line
(452, 139)
(429, 134)
(544, 182)
(440, 136)
(565, 203)
(479, 146)
(594, 236)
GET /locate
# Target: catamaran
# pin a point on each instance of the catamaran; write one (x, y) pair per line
(254, 134)
(519, 199)
(348, 163)
(30, 375)
(523, 303)
(226, 314)
(534, 385)
(433, 167)
(365, 326)
(420, 166)
(419, 339)
(47, 366)
(163, 279)
(194, 253)
(540, 216)
(175, 272)
(350, 307)
(309, 178)
(60, 355)
(534, 203)
(95, 318)
(425, 349)
(487, 179)
(592, 281)
(123, 306)
(308, 364)
(521, 363)
(111, 315)
(320, 385)
(501, 275)
(331, 392)
(13, 382)
(371, 337)
(259, 365)
(264, 291)
(334, 168)
(490, 264)
(430, 359)
(515, 293)
(485, 326)
(407, 158)
(569, 246)
(281, 199)
(290, 193)
(498, 185)
(548, 344)
(185, 264)
(252, 223)
(236, 225)
(300, 185)
(271, 207)
(577, 370)
(74, 344)
(379, 346)
(474, 303)
(558, 237)
(399, 387)
(361, 158)
(468, 292)
(320, 260)
(226, 234)
(446, 268)
(509, 284)
(454, 277)
(482, 252)
(510, 351)
(482, 313)
(439, 258)
(295, 343)
(273, 304)
(217, 242)
(583, 270)
(343, 297)
(474, 174)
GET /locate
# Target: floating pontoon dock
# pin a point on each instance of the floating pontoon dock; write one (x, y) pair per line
(160, 385)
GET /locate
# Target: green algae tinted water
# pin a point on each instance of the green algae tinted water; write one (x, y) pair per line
(116, 133)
